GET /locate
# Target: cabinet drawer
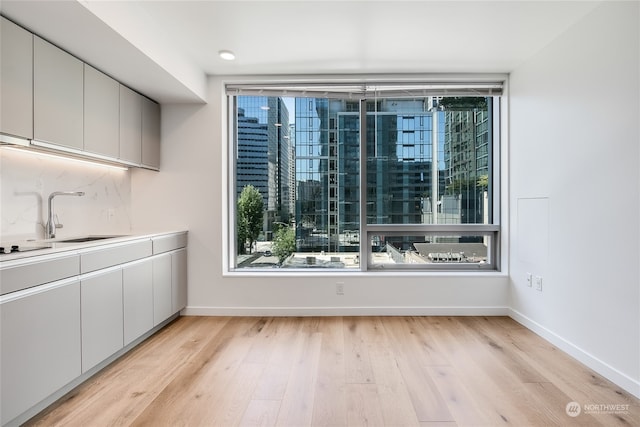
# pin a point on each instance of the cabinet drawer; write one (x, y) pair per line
(37, 273)
(120, 254)
(169, 243)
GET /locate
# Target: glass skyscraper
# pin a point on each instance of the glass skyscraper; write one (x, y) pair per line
(467, 139)
(399, 168)
(426, 159)
(252, 147)
(263, 154)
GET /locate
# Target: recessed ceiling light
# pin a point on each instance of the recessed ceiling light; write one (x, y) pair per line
(227, 55)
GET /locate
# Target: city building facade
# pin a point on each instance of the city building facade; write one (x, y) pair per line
(428, 162)
(264, 155)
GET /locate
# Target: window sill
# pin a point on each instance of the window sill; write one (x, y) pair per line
(264, 273)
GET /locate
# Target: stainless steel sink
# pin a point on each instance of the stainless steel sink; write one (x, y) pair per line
(87, 239)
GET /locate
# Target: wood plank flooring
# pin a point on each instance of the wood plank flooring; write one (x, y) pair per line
(343, 371)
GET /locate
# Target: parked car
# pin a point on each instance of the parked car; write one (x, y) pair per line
(267, 253)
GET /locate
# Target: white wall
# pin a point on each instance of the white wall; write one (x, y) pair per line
(189, 193)
(26, 180)
(575, 189)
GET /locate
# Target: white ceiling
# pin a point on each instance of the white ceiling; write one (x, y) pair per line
(164, 49)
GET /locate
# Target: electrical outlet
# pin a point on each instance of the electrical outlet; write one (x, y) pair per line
(539, 283)
(340, 288)
(529, 279)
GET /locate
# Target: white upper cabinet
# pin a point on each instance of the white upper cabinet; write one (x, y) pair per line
(150, 134)
(101, 113)
(130, 126)
(16, 82)
(58, 95)
(54, 99)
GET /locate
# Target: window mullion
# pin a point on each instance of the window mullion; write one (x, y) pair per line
(435, 179)
(232, 158)
(365, 247)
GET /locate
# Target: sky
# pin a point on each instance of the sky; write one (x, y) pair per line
(291, 106)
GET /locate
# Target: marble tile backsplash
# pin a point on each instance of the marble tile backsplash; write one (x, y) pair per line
(26, 180)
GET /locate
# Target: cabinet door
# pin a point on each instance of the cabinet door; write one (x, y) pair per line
(40, 344)
(179, 280)
(102, 317)
(16, 80)
(101, 113)
(57, 96)
(130, 126)
(161, 288)
(137, 285)
(150, 134)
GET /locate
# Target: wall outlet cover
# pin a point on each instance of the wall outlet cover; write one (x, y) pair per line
(539, 283)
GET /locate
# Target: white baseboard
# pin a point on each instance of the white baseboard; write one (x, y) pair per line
(604, 369)
(345, 311)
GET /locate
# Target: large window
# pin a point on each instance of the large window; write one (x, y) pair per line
(364, 177)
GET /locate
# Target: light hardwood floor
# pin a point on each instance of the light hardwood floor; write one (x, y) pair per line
(339, 371)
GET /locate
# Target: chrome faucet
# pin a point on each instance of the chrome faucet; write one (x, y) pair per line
(51, 224)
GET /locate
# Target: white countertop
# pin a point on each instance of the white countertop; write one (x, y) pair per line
(62, 248)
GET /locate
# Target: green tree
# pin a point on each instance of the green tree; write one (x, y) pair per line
(284, 243)
(483, 182)
(250, 211)
(468, 185)
(463, 103)
(460, 185)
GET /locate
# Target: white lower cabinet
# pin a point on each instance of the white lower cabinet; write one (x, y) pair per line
(137, 286)
(169, 284)
(178, 280)
(161, 288)
(102, 317)
(40, 352)
(61, 317)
